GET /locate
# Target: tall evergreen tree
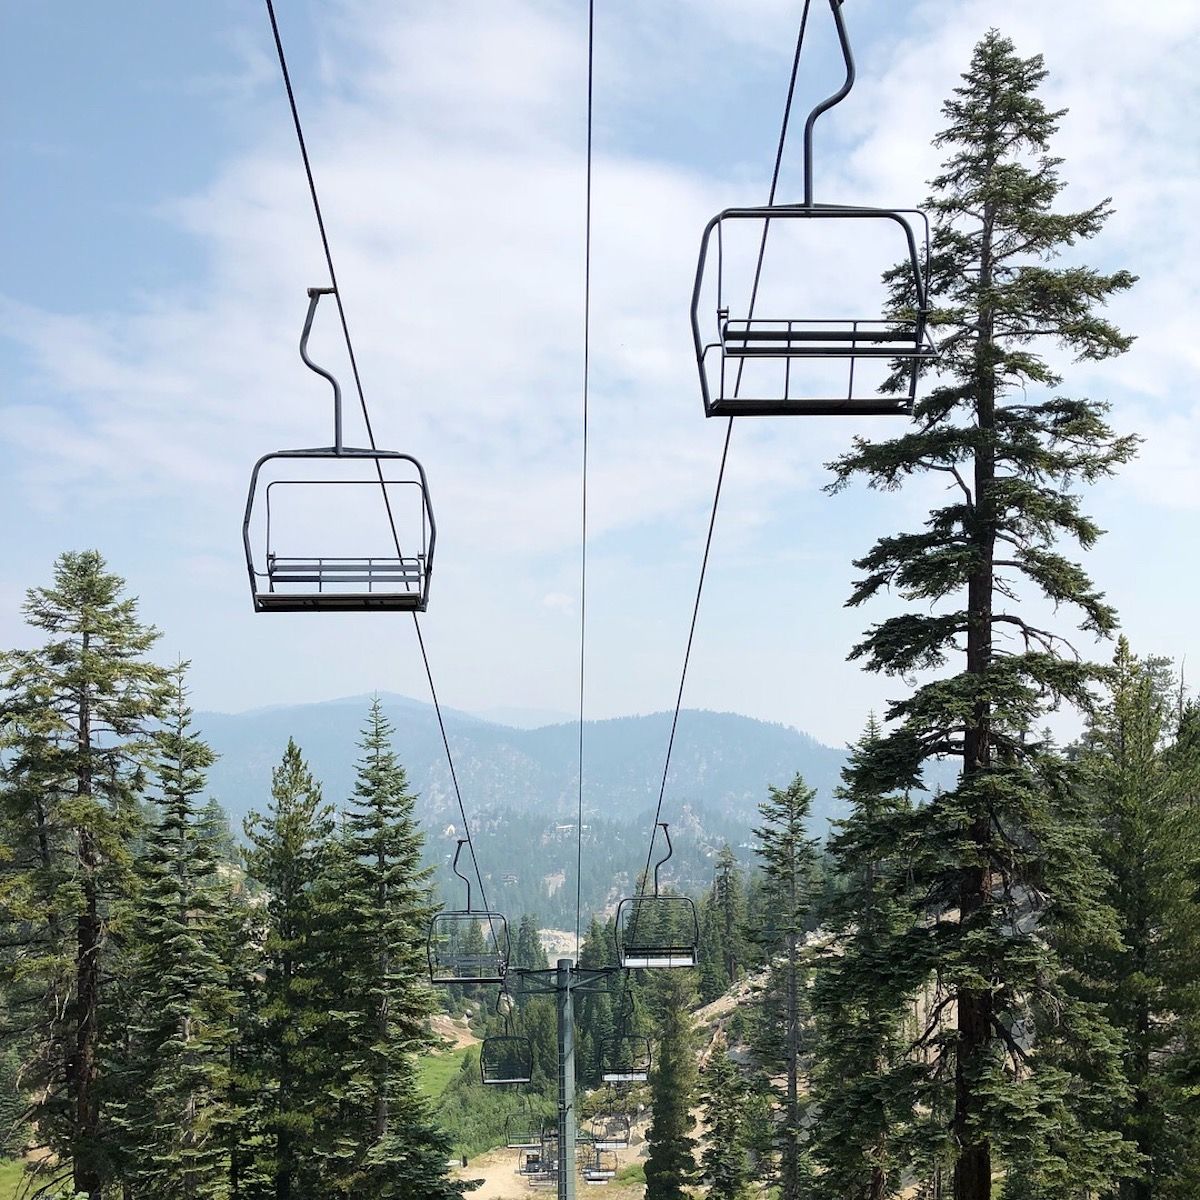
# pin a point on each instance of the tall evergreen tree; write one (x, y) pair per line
(671, 1157)
(76, 712)
(724, 1167)
(867, 1070)
(788, 859)
(996, 427)
(528, 952)
(287, 856)
(170, 1085)
(382, 1143)
(1146, 833)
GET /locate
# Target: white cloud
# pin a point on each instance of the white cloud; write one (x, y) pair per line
(448, 147)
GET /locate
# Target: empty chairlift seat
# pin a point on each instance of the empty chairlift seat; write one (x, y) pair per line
(598, 1167)
(506, 1059)
(790, 313)
(338, 528)
(625, 1059)
(522, 1132)
(467, 945)
(610, 1131)
(658, 930)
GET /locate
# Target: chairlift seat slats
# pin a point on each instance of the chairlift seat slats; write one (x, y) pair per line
(763, 338)
(370, 571)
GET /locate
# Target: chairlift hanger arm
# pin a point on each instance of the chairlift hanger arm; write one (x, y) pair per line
(669, 853)
(314, 298)
(454, 867)
(837, 97)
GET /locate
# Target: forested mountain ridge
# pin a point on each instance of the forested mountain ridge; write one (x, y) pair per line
(720, 759)
(520, 788)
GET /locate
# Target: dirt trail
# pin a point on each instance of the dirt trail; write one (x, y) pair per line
(454, 1031)
(497, 1171)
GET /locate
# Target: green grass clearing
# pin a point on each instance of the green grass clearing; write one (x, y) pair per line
(10, 1177)
(433, 1074)
(633, 1173)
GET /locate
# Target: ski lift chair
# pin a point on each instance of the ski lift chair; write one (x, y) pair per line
(506, 1058)
(657, 930)
(521, 1132)
(625, 1057)
(599, 1167)
(788, 360)
(610, 1131)
(530, 1162)
(453, 946)
(338, 528)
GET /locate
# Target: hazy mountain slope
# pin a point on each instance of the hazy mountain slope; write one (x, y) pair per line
(520, 789)
(721, 761)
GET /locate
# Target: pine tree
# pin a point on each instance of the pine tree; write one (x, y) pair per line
(381, 1144)
(671, 1158)
(287, 1071)
(1146, 832)
(724, 1168)
(788, 859)
(996, 428)
(866, 1075)
(171, 1078)
(722, 916)
(728, 896)
(528, 952)
(76, 712)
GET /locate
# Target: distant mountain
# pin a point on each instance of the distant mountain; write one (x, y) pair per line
(520, 788)
(721, 761)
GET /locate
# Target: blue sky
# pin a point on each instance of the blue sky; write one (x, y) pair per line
(156, 241)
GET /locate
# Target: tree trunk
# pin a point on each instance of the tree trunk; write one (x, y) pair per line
(381, 1100)
(82, 1061)
(791, 1183)
(972, 1172)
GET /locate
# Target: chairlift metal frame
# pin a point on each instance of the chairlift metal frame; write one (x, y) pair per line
(599, 1167)
(634, 952)
(905, 342)
(497, 925)
(610, 1131)
(521, 1132)
(379, 583)
(626, 1056)
(505, 1059)
(498, 1052)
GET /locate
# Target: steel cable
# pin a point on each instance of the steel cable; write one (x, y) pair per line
(362, 399)
(587, 342)
(787, 113)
